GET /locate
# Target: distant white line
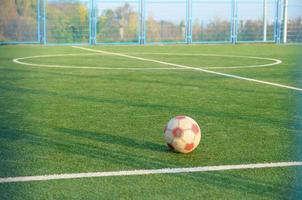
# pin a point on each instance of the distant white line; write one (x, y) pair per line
(148, 172)
(193, 68)
(275, 61)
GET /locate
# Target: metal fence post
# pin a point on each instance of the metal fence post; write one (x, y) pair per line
(139, 15)
(95, 21)
(279, 21)
(285, 19)
(143, 22)
(264, 20)
(234, 23)
(92, 23)
(189, 30)
(276, 21)
(39, 22)
(140, 22)
(44, 22)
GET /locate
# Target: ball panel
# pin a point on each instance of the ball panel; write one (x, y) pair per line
(172, 124)
(178, 144)
(185, 124)
(197, 139)
(188, 136)
(190, 147)
(195, 128)
(177, 132)
(169, 136)
(180, 117)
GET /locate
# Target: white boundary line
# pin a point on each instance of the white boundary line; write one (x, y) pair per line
(192, 68)
(148, 172)
(275, 62)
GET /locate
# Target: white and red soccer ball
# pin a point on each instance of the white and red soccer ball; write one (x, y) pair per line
(182, 134)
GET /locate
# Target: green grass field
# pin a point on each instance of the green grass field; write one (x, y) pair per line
(69, 120)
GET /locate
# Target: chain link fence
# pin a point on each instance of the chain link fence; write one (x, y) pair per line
(69, 22)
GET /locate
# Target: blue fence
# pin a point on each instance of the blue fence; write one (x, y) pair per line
(212, 21)
(64, 22)
(165, 21)
(294, 22)
(258, 27)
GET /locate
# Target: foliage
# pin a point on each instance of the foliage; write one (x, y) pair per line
(18, 20)
(118, 25)
(165, 31)
(67, 22)
(215, 30)
(295, 30)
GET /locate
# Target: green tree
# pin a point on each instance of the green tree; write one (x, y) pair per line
(67, 22)
(118, 25)
(18, 20)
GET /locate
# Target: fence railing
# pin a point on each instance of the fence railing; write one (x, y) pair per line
(73, 22)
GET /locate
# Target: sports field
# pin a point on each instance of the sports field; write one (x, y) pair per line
(66, 110)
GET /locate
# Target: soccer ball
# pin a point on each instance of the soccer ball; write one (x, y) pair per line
(182, 134)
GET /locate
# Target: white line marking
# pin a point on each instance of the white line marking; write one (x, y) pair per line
(20, 61)
(193, 68)
(148, 172)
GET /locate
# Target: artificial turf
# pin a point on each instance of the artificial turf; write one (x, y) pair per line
(60, 120)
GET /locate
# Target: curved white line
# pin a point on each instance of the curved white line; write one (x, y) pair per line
(18, 61)
(149, 172)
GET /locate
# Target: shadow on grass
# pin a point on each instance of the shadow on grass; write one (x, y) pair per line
(80, 146)
(244, 185)
(115, 139)
(86, 98)
(152, 106)
(119, 158)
